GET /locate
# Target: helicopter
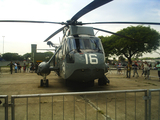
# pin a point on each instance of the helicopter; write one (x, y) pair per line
(80, 57)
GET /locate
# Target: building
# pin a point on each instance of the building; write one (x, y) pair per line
(37, 57)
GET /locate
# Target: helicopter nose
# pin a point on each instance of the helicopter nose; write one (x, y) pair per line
(43, 68)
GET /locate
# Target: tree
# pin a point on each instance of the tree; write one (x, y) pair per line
(26, 56)
(48, 55)
(12, 56)
(121, 58)
(145, 40)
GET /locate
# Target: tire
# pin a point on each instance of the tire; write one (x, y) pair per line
(106, 80)
(41, 83)
(102, 81)
(47, 83)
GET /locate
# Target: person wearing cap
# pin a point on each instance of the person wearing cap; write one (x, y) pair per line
(158, 67)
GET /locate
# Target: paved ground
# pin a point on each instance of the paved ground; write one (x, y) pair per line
(78, 107)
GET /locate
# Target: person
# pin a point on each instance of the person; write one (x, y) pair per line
(129, 67)
(11, 66)
(15, 67)
(135, 66)
(19, 67)
(27, 67)
(32, 67)
(36, 67)
(142, 67)
(150, 66)
(146, 70)
(158, 68)
(24, 67)
(139, 66)
(119, 68)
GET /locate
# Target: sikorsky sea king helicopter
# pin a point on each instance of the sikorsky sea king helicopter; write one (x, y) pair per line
(80, 56)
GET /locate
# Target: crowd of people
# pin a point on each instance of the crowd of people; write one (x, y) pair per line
(26, 67)
(145, 67)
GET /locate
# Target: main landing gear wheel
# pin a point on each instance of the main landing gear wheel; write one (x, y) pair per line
(41, 83)
(44, 82)
(103, 81)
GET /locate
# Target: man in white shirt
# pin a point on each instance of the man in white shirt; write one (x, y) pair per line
(15, 67)
(146, 70)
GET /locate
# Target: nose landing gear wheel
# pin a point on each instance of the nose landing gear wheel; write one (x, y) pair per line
(44, 82)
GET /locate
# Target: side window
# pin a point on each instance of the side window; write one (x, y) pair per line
(69, 45)
(72, 44)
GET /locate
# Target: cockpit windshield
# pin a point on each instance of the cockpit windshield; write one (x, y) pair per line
(85, 44)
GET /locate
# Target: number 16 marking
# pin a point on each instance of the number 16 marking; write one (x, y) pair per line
(92, 58)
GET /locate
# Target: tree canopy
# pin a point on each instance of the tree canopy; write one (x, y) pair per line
(27, 56)
(12, 56)
(145, 40)
(16, 56)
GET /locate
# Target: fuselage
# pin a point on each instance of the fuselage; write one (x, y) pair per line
(80, 58)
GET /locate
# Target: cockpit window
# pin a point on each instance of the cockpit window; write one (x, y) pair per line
(91, 43)
(85, 44)
(71, 44)
(95, 44)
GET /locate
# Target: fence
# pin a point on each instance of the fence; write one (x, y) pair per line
(96, 105)
(5, 105)
(154, 96)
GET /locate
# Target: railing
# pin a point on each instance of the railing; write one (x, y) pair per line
(156, 99)
(5, 105)
(90, 100)
(98, 105)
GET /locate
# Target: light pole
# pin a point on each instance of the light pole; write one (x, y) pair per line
(3, 44)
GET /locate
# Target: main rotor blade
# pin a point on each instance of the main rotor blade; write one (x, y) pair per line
(30, 21)
(59, 30)
(114, 33)
(93, 5)
(147, 23)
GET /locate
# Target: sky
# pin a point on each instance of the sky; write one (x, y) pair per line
(18, 37)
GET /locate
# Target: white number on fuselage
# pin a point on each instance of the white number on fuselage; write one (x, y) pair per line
(92, 59)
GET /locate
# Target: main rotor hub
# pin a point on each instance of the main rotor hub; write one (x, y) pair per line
(73, 22)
